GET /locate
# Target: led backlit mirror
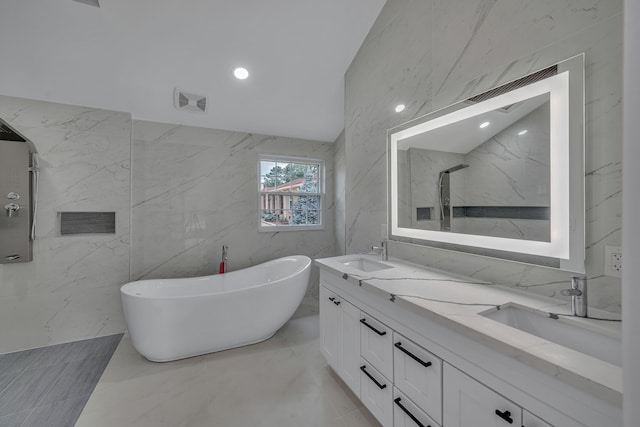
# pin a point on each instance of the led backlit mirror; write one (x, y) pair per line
(500, 174)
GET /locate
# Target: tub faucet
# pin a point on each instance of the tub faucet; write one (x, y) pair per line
(222, 268)
(578, 294)
(382, 249)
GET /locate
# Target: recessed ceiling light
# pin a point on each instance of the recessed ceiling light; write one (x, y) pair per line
(400, 108)
(522, 132)
(241, 73)
(484, 125)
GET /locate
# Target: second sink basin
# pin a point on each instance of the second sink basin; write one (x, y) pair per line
(568, 332)
(365, 264)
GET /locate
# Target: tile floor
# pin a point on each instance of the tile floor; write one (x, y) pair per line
(282, 382)
(49, 386)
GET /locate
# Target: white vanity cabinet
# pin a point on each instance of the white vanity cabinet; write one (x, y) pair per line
(410, 371)
(329, 327)
(418, 373)
(467, 403)
(530, 420)
(376, 392)
(408, 414)
(340, 337)
(375, 344)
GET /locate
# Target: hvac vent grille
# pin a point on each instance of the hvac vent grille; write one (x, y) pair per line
(531, 78)
(189, 101)
(8, 133)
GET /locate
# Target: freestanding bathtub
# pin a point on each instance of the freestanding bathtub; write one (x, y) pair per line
(170, 319)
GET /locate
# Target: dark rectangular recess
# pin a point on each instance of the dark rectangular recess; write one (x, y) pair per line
(8, 134)
(423, 214)
(459, 212)
(87, 223)
(510, 212)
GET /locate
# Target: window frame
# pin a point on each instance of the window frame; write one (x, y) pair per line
(320, 194)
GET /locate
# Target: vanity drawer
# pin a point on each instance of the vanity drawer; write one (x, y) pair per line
(376, 393)
(376, 344)
(530, 420)
(407, 414)
(418, 374)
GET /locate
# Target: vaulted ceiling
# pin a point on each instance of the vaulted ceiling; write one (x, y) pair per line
(130, 55)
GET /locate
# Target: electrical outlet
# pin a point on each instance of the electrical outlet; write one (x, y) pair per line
(613, 261)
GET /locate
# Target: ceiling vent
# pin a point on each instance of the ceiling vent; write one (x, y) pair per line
(94, 3)
(516, 84)
(187, 101)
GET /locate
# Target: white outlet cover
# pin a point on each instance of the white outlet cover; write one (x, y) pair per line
(609, 252)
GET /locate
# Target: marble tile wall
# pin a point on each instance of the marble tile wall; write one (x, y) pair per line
(423, 169)
(195, 189)
(509, 169)
(340, 177)
(506, 170)
(70, 290)
(428, 54)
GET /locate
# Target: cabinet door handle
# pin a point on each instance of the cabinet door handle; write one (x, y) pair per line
(363, 368)
(364, 322)
(399, 346)
(332, 299)
(506, 415)
(406, 411)
(336, 302)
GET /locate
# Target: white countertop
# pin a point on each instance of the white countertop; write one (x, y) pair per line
(456, 302)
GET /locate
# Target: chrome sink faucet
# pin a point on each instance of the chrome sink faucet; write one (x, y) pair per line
(382, 249)
(578, 294)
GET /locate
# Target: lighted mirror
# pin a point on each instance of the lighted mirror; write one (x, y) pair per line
(500, 174)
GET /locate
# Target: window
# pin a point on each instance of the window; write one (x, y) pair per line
(291, 194)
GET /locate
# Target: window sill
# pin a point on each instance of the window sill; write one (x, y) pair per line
(279, 228)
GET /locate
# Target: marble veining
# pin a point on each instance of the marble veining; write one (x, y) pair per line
(195, 189)
(456, 302)
(70, 290)
(430, 54)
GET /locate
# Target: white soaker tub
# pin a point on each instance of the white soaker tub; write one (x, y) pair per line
(170, 319)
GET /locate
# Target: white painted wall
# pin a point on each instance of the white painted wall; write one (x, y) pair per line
(130, 55)
(631, 239)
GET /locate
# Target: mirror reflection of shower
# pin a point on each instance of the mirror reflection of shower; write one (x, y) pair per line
(444, 189)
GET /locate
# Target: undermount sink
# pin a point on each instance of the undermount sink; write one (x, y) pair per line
(364, 264)
(565, 331)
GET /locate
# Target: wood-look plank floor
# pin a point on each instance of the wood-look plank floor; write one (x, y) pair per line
(49, 386)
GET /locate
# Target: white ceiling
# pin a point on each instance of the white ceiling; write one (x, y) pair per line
(129, 55)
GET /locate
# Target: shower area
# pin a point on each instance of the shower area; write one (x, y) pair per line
(19, 192)
(444, 191)
(498, 186)
(64, 222)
